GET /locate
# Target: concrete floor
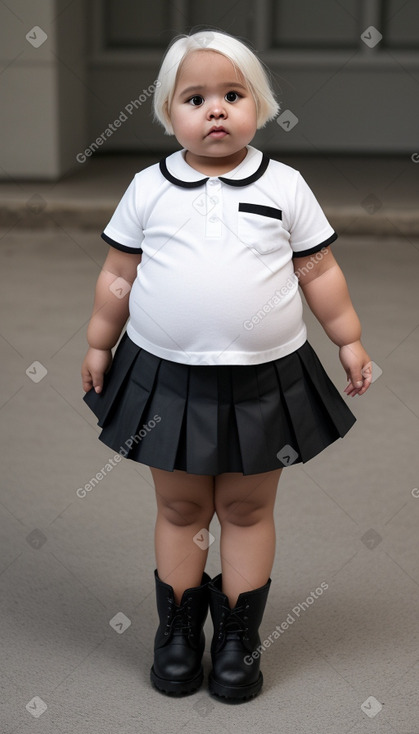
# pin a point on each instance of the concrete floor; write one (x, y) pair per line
(71, 566)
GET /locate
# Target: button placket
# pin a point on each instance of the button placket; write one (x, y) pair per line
(214, 208)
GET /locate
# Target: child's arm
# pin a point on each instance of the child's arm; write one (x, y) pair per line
(326, 292)
(110, 312)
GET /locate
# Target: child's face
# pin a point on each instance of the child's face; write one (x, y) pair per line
(211, 93)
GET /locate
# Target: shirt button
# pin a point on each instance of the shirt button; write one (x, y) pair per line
(213, 218)
(214, 199)
(212, 182)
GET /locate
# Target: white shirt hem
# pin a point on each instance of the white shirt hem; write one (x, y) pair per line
(213, 358)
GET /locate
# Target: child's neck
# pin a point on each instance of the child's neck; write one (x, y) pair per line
(215, 166)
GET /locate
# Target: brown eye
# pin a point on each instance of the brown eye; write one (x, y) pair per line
(196, 100)
(231, 96)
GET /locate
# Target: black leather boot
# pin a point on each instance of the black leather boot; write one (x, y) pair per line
(236, 674)
(180, 641)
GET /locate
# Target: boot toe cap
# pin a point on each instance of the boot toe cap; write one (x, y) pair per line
(176, 664)
(234, 673)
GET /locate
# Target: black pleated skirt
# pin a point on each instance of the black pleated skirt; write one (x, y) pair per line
(216, 419)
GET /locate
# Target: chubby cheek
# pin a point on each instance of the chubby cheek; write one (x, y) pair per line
(245, 120)
(252, 118)
(247, 126)
(182, 123)
(183, 132)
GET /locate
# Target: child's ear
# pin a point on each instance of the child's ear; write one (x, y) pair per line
(169, 128)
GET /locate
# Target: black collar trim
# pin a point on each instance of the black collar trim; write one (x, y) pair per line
(231, 181)
(177, 181)
(250, 179)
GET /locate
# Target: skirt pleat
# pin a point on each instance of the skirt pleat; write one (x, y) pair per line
(167, 406)
(327, 395)
(202, 420)
(125, 418)
(215, 419)
(229, 452)
(279, 430)
(249, 418)
(300, 405)
(330, 416)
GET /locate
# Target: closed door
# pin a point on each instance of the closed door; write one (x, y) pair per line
(346, 72)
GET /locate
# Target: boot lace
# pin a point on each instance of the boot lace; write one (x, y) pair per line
(179, 618)
(234, 620)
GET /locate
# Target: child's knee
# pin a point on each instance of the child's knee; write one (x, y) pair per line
(185, 512)
(243, 513)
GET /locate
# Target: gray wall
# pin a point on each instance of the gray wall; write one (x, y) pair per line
(351, 90)
(43, 112)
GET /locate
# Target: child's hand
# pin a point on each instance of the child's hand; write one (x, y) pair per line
(357, 366)
(95, 365)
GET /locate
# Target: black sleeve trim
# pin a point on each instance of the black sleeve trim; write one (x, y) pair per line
(317, 248)
(265, 211)
(122, 248)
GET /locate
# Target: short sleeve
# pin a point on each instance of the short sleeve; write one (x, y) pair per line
(124, 231)
(309, 229)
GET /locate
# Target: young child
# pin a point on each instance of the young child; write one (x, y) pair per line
(214, 385)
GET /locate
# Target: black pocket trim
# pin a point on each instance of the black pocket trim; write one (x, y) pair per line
(266, 211)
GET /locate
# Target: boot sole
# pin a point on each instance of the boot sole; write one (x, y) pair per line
(176, 687)
(234, 693)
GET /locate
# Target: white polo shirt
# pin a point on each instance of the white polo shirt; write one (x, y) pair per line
(216, 283)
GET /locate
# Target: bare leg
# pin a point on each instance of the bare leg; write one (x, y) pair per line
(244, 505)
(185, 505)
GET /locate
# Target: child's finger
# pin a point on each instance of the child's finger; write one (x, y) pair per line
(92, 379)
(351, 390)
(98, 382)
(357, 380)
(349, 387)
(362, 380)
(367, 382)
(358, 386)
(86, 380)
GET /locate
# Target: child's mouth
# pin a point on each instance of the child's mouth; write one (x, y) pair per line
(218, 132)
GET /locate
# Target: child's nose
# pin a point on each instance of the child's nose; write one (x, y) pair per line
(216, 110)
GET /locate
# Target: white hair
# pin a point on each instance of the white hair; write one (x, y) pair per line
(241, 56)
